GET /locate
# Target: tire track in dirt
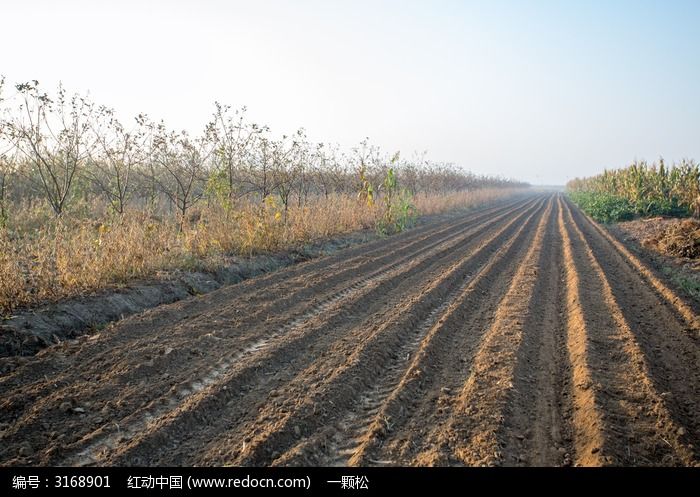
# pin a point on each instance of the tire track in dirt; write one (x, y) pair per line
(210, 343)
(352, 377)
(351, 340)
(171, 409)
(356, 333)
(347, 440)
(284, 287)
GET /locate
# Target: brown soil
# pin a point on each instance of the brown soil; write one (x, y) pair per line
(665, 245)
(679, 238)
(29, 330)
(682, 239)
(519, 334)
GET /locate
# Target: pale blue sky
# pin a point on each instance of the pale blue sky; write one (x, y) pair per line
(542, 91)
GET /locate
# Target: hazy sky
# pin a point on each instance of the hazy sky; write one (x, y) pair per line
(541, 91)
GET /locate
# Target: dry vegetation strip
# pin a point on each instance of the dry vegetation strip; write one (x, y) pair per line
(87, 201)
(65, 260)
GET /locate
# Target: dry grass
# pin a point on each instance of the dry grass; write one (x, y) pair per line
(428, 204)
(44, 260)
(681, 239)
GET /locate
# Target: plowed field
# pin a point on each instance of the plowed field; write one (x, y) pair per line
(519, 334)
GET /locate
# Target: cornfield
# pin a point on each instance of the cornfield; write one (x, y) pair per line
(648, 189)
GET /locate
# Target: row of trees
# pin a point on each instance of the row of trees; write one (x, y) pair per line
(60, 148)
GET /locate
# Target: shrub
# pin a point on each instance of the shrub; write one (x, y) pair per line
(604, 207)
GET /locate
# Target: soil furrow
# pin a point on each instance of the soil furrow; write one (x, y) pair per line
(339, 379)
(321, 333)
(383, 408)
(478, 412)
(660, 419)
(536, 430)
(586, 415)
(643, 273)
(635, 426)
(191, 381)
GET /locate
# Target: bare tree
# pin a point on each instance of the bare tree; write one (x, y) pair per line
(260, 171)
(184, 162)
(301, 163)
(234, 140)
(53, 135)
(59, 147)
(285, 160)
(116, 154)
(340, 171)
(319, 169)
